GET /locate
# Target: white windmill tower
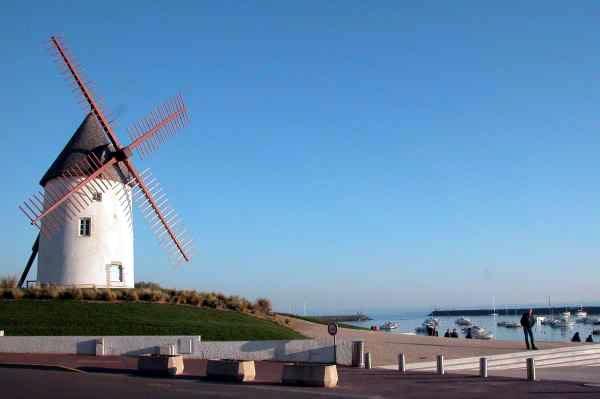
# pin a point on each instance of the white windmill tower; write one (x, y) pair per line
(85, 212)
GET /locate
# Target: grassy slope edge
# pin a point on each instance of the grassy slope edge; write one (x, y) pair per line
(64, 317)
(316, 319)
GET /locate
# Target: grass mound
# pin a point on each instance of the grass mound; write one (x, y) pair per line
(68, 317)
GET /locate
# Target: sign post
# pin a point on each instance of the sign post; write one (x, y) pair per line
(332, 329)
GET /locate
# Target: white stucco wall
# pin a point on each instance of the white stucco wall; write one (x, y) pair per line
(300, 350)
(66, 258)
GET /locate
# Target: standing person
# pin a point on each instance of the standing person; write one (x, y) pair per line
(527, 322)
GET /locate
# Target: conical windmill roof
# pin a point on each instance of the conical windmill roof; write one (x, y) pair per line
(89, 138)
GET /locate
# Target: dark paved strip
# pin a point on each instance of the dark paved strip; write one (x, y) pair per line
(35, 366)
(354, 383)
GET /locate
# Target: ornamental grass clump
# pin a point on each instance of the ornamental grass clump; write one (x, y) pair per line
(11, 293)
(144, 291)
(49, 292)
(106, 294)
(263, 305)
(90, 294)
(8, 282)
(132, 295)
(72, 293)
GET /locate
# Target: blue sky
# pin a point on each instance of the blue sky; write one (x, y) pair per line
(350, 155)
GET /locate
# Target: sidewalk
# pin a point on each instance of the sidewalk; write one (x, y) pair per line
(115, 376)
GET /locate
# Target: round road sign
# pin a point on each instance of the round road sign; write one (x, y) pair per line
(332, 328)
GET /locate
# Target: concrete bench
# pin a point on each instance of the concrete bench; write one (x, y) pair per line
(231, 370)
(315, 375)
(160, 364)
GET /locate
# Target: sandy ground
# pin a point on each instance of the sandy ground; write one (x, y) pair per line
(385, 346)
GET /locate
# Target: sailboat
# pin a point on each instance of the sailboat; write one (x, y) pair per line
(494, 314)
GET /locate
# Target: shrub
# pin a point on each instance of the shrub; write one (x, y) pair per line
(32, 292)
(144, 294)
(11, 293)
(90, 294)
(210, 300)
(180, 299)
(120, 295)
(194, 298)
(234, 303)
(106, 294)
(49, 292)
(132, 295)
(263, 305)
(147, 284)
(71, 293)
(8, 282)
(158, 296)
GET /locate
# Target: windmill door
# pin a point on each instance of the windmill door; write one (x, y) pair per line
(114, 274)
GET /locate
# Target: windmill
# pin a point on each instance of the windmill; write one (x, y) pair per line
(84, 214)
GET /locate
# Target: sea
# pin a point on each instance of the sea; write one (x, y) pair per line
(410, 320)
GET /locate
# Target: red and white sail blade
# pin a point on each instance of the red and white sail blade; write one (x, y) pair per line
(84, 89)
(66, 196)
(151, 132)
(164, 222)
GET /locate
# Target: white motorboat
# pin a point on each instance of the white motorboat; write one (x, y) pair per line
(580, 314)
(562, 323)
(463, 321)
(540, 319)
(389, 325)
(430, 322)
(480, 333)
(565, 315)
(508, 324)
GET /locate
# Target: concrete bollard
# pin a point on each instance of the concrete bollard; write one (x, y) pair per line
(530, 369)
(168, 350)
(440, 365)
(402, 363)
(358, 354)
(483, 367)
(1, 333)
(232, 370)
(368, 360)
(100, 348)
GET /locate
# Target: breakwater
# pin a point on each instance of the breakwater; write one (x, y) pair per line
(331, 318)
(514, 311)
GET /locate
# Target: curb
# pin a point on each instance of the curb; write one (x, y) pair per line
(36, 366)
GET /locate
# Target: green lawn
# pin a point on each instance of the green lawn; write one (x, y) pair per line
(65, 317)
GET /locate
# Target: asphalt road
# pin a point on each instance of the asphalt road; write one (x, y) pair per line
(354, 383)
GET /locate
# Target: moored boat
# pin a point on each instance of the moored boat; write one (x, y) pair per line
(389, 325)
(463, 321)
(580, 314)
(480, 333)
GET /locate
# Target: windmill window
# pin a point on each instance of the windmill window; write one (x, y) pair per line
(85, 227)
